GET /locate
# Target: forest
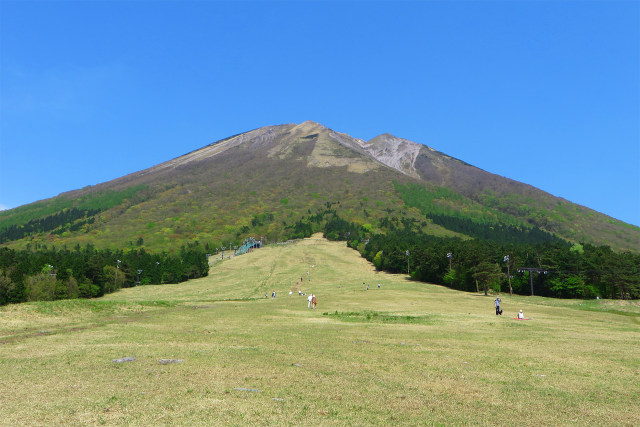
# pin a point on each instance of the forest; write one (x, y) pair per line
(58, 223)
(505, 259)
(44, 274)
(554, 268)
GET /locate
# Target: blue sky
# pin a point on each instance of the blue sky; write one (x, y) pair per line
(543, 92)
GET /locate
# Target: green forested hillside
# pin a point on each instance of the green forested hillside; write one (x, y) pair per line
(256, 197)
(62, 214)
(262, 182)
(457, 213)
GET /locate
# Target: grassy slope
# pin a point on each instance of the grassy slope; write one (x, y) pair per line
(431, 356)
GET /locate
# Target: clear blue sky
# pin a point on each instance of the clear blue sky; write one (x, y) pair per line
(543, 92)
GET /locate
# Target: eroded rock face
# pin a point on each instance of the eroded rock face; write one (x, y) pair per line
(397, 153)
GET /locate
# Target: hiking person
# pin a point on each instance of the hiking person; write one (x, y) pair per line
(498, 311)
(309, 299)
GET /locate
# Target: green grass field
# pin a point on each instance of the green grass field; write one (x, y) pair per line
(406, 354)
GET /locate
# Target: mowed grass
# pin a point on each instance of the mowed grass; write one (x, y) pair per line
(406, 354)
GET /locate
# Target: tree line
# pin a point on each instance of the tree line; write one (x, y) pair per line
(62, 214)
(554, 267)
(87, 272)
(64, 220)
(494, 232)
(560, 269)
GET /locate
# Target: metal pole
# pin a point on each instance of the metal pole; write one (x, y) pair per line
(407, 262)
(531, 280)
(506, 260)
(115, 281)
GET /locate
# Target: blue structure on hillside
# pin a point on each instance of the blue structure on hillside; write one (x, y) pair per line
(249, 244)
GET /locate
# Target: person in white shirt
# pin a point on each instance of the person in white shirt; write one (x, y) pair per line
(309, 298)
(520, 315)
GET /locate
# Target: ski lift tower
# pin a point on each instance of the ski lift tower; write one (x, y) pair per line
(531, 270)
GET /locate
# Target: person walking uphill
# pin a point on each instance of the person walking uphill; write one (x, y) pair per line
(310, 299)
(498, 311)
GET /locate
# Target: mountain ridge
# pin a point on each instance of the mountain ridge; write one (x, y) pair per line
(216, 192)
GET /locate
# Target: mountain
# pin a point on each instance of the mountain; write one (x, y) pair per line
(263, 182)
